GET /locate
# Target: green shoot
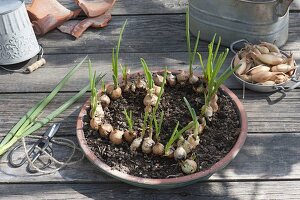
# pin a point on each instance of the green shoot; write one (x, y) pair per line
(194, 116)
(172, 139)
(188, 41)
(129, 120)
(28, 124)
(93, 89)
(115, 58)
(144, 124)
(29, 117)
(212, 69)
(158, 125)
(124, 73)
(154, 110)
(176, 134)
(38, 124)
(148, 74)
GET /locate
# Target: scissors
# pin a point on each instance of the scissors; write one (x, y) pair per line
(34, 153)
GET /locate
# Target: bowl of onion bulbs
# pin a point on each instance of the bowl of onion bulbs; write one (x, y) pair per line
(263, 67)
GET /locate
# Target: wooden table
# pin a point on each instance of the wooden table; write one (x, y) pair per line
(268, 166)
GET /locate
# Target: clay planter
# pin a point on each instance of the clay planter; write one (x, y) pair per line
(170, 182)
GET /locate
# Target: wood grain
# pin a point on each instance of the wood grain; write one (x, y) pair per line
(135, 7)
(144, 33)
(213, 190)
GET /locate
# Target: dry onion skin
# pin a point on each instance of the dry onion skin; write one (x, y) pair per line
(264, 64)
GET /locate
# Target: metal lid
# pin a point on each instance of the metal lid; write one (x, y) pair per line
(7, 6)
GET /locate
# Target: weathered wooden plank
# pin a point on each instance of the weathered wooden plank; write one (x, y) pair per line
(210, 190)
(263, 157)
(134, 7)
(151, 33)
(57, 66)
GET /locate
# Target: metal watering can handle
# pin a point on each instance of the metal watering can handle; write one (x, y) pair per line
(282, 7)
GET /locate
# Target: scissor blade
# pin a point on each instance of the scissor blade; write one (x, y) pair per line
(52, 130)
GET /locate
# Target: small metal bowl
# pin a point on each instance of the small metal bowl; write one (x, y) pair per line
(265, 88)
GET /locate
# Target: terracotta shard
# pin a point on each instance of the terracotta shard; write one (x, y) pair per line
(94, 8)
(68, 26)
(48, 14)
(76, 27)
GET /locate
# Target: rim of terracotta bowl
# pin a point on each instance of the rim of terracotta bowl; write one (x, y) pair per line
(183, 180)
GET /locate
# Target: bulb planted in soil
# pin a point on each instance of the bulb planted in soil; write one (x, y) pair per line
(148, 109)
(147, 145)
(158, 149)
(109, 89)
(158, 79)
(157, 90)
(140, 84)
(104, 100)
(188, 166)
(129, 136)
(182, 77)
(116, 137)
(171, 79)
(136, 143)
(116, 93)
(95, 122)
(150, 100)
(180, 153)
(105, 130)
(193, 79)
(193, 141)
(170, 152)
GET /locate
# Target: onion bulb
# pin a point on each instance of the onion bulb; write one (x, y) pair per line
(109, 89)
(171, 79)
(116, 137)
(105, 130)
(116, 93)
(193, 79)
(170, 152)
(140, 83)
(136, 143)
(158, 149)
(129, 136)
(95, 122)
(148, 109)
(104, 100)
(188, 166)
(147, 145)
(158, 79)
(150, 100)
(194, 141)
(180, 153)
(182, 77)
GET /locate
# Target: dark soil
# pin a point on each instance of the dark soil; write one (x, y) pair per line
(216, 141)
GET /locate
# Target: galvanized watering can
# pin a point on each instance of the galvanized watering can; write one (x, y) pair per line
(17, 39)
(254, 20)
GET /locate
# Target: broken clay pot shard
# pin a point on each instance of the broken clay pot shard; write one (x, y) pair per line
(48, 14)
(94, 8)
(76, 27)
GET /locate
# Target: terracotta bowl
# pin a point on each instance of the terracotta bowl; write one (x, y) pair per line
(170, 182)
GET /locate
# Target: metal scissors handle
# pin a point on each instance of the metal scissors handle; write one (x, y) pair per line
(34, 153)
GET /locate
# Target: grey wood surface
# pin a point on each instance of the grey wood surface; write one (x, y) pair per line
(267, 167)
(208, 190)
